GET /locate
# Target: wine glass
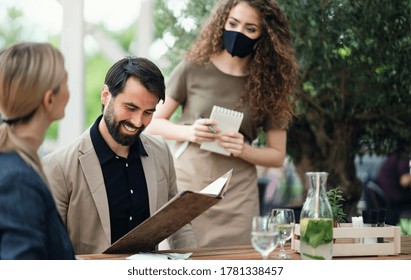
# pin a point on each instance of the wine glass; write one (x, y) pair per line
(264, 235)
(284, 220)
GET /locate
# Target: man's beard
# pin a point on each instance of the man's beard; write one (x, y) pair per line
(114, 128)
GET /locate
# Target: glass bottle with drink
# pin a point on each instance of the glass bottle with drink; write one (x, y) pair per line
(316, 220)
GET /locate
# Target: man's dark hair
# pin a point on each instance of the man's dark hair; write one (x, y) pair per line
(140, 68)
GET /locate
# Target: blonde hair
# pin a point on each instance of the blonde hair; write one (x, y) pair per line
(27, 71)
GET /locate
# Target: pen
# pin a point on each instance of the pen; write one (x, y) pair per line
(211, 128)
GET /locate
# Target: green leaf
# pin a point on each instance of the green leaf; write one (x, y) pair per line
(317, 232)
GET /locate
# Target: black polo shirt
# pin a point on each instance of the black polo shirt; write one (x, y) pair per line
(125, 183)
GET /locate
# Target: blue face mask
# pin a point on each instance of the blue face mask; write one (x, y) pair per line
(237, 44)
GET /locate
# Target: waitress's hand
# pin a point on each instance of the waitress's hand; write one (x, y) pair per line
(200, 131)
(232, 142)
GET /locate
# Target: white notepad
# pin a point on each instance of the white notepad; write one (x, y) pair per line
(227, 120)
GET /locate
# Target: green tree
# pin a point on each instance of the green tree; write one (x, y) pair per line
(182, 25)
(12, 27)
(355, 91)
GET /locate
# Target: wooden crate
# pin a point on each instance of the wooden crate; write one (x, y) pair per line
(406, 244)
(346, 237)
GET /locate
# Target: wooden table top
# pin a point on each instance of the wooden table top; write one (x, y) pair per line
(249, 253)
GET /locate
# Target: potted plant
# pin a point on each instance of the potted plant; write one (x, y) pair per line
(336, 200)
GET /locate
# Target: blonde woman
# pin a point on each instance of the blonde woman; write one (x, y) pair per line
(243, 59)
(33, 93)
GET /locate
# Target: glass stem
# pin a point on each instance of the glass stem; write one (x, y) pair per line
(282, 251)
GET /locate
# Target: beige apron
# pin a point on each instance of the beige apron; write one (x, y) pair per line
(228, 222)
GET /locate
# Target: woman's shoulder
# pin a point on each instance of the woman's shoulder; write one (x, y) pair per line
(188, 65)
(13, 169)
(18, 180)
(11, 161)
(186, 69)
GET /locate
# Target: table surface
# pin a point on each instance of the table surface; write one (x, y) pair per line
(249, 253)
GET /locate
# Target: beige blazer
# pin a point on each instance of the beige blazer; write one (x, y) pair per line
(77, 184)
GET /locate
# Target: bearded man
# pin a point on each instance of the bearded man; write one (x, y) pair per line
(114, 176)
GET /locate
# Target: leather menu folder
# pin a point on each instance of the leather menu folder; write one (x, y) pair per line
(176, 213)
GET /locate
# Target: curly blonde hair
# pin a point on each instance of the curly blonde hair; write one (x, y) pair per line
(269, 88)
